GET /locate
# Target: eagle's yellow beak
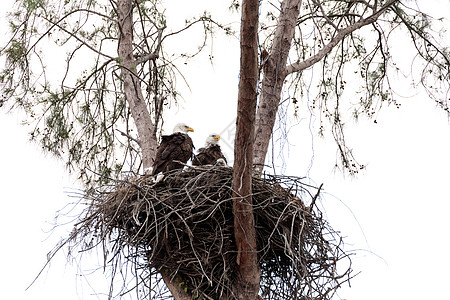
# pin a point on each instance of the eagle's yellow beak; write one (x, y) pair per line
(190, 129)
(217, 137)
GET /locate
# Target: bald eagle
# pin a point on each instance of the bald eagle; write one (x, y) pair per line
(175, 147)
(210, 154)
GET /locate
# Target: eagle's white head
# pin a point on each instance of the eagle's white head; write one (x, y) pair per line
(183, 128)
(212, 139)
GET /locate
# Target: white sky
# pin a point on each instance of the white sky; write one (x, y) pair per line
(395, 212)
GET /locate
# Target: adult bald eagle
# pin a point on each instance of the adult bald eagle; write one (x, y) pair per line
(175, 147)
(210, 154)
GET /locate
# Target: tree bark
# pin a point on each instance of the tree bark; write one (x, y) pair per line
(272, 83)
(175, 289)
(132, 86)
(139, 111)
(247, 286)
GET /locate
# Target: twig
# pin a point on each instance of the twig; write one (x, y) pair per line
(129, 137)
(313, 202)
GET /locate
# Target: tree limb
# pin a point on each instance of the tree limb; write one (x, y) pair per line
(56, 24)
(129, 137)
(155, 54)
(341, 34)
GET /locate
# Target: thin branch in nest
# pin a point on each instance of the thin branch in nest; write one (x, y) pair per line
(313, 202)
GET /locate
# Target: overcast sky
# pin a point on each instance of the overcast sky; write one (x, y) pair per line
(394, 213)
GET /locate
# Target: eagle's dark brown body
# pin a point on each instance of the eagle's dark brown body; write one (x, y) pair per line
(208, 156)
(175, 147)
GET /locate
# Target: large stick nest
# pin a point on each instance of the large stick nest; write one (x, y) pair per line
(182, 227)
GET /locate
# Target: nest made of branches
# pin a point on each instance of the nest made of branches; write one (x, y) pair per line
(182, 227)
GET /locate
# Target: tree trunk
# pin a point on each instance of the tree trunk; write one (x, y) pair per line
(274, 76)
(139, 111)
(247, 286)
(132, 86)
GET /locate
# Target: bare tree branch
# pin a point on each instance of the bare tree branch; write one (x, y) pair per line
(341, 34)
(56, 24)
(129, 137)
